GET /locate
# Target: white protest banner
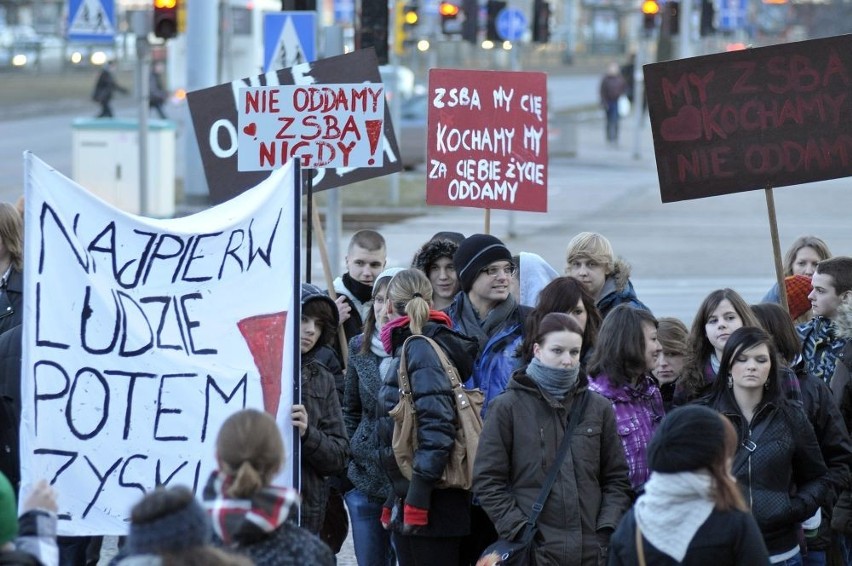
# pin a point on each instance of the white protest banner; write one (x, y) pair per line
(142, 336)
(338, 125)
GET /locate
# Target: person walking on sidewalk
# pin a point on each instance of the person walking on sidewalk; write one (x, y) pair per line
(613, 86)
(105, 87)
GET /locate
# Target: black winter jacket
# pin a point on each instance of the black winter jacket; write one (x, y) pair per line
(783, 477)
(834, 443)
(361, 417)
(449, 509)
(325, 447)
(727, 538)
(841, 388)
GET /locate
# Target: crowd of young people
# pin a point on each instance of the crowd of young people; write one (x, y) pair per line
(723, 443)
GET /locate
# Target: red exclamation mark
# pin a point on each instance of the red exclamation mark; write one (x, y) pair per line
(374, 131)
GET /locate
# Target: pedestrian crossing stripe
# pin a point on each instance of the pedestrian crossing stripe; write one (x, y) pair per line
(91, 18)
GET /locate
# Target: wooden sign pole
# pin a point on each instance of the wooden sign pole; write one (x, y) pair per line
(776, 247)
(487, 229)
(329, 280)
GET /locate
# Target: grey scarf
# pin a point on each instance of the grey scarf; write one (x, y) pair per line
(482, 330)
(556, 382)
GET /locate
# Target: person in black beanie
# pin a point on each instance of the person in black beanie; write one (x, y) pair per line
(435, 259)
(486, 310)
(692, 511)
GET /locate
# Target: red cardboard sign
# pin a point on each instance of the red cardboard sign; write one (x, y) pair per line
(487, 139)
(744, 120)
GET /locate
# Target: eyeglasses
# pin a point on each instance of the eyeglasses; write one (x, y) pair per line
(494, 270)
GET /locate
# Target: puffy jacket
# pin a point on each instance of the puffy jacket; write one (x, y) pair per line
(497, 360)
(516, 451)
(361, 417)
(784, 478)
(449, 509)
(841, 388)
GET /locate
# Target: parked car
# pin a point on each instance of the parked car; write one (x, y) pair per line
(412, 131)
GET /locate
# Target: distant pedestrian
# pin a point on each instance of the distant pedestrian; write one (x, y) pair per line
(105, 87)
(613, 85)
(157, 94)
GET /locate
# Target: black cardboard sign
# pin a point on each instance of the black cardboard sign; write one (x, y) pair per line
(744, 120)
(214, 118)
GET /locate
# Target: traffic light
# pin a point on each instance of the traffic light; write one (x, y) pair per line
(470, 22)
(165, 18)
(374, 28)
(673, 16)
(650, 9)
(449, 13)
(708, 13)
(541, 21)
(493, 8)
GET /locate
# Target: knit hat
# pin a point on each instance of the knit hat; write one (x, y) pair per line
(170, 529)
(431, 252)
(8, 511)
(313, 293)
(688, 439)
(798, 288)
(476, 253)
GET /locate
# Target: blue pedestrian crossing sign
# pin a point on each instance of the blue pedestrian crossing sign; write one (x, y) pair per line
(289, 38)
(732, 14)
(511, 24)
(91, 21)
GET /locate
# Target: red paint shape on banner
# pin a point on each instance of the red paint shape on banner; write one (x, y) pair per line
(486, 144)
(251, 129)
(374, 131)
(264, 335)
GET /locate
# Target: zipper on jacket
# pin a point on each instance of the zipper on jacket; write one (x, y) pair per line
(751, 447)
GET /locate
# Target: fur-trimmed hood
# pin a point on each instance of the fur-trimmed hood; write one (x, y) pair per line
(431, 252)
(843, 321)
(620, 274)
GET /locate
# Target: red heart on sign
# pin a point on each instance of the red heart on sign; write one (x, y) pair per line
(251, 129)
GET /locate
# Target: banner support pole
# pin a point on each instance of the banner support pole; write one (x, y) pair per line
(776, 246)
(329, 280)
(309, 190)
(487, 229)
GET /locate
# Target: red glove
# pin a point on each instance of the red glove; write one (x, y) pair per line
(386, 517)
(415, 516)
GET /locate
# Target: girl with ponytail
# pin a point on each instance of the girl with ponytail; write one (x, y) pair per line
(249, 514)
(427, 523)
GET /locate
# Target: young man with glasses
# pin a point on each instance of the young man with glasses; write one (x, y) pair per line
(485, 309)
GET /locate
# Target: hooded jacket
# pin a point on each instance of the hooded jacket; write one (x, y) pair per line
(516, 450)
(841, 388)
(534, 274)
(325, 446)
(449, 509)
(618, 290)
(784, 478)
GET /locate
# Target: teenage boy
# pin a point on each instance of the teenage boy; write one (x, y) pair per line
(365, 259)
(832, 287)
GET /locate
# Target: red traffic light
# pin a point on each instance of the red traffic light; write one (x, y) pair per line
(448, 10)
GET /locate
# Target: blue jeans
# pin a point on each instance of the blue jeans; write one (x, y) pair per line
(845, 544)
(795, 561)
(372, 542)
(814, 558)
